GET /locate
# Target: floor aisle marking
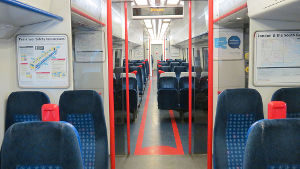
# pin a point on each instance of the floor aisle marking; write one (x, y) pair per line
(157, 150)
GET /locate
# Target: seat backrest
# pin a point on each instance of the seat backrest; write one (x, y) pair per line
(167, 83)
(168, 74)
(132, 83)
(41, 145)
(165, 68)
(173, 64)
(179, 69)
(123, 75)
(139, 76)
(84, 110)
(273, 144)
(237, 110)
(291, 96)
(184, 64)
(118, 71)
(184, 83)
(163, 64)
(24, 106)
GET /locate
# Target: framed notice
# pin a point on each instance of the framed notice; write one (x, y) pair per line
(277, 58)
(42, 61)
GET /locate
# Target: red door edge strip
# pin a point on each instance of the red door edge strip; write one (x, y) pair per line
(190, 77)
(231, 12)
(127, 79)
(111, 86)
(210, 83)
(77, 11)
(157, 150)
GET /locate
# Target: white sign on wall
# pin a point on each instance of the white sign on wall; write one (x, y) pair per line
(277, 58)
(42, 61)
(228, 44)
(88, 46)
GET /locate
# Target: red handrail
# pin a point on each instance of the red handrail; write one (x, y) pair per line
(77, 11)
(127, 79)
(190, 77)
(210, 83)
(111, 86)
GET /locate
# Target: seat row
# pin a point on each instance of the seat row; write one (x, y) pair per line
(172, 94)
(42, 143)
(238, 145)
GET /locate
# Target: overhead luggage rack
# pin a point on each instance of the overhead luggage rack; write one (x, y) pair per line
(15, 14)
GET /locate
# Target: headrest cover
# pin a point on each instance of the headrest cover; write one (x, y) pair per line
(204, 74)
(168, 74)
(186, 74)
(123, 75)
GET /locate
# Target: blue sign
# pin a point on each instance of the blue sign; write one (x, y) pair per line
(234, 42)
(221, 42)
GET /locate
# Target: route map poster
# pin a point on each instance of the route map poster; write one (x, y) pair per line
(42, 61)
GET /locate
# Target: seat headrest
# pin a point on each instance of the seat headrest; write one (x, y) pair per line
(168, 74)
(240, 101)
(123, 75)
(41, 145)
(290, 96)
(273, 143)
(203, 74)
(186, 74)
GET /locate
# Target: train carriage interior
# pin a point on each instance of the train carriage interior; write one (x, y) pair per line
(150, 84)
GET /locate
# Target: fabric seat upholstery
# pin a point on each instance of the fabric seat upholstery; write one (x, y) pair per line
(84, 110)
(178, 70)
(184, 93)
(237, 110)
(41, 145)
(24, 106)
(167, 95)
(273, 144)
(291, 96)
(139, 78)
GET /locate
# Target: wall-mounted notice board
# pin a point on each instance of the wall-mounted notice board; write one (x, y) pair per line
(277, 58)
(42, 61)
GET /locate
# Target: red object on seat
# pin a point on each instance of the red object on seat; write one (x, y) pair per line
(50, 112)
(140, 66)
(277, 110)
(160, 71)
(134, 72)
(100, 93)
(158, 62)
(144, 62)
(167, 59)
(159, 65)
(219, 92)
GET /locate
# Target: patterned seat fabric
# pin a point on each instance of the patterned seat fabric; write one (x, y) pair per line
(24, 106)
(237, 109)
(84, 109)
(273, 144)
(291, 97)
(41, 145)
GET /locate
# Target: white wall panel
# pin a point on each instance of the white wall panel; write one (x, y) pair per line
(222, 7)
(91, 7)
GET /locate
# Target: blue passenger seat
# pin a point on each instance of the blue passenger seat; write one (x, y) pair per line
(84, 110)
(24, 106)
(273, 144)
(139, 78)
(173, 64)
(184, 92)
(41, 145)
(237, 110)
(167, 95)
(291, 97)
(179, 69)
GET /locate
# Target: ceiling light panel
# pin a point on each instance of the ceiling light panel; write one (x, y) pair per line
(154, 27)
(141, 2)
(172, 2)
(148, 23)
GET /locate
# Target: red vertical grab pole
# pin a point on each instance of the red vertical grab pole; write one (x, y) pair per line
(190, 77)
(210, 82)
(111, 86)
(127, 79)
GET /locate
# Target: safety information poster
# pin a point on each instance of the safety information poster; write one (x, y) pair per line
(277, 58)
(42, 61)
